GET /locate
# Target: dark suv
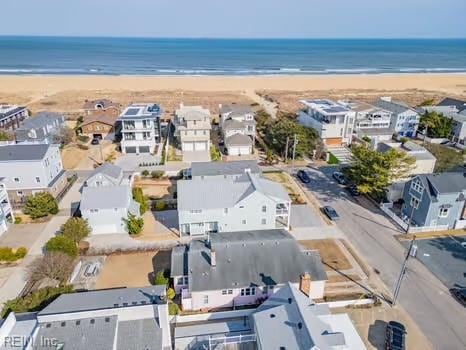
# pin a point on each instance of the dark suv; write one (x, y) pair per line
(395, 336)
(303, 176)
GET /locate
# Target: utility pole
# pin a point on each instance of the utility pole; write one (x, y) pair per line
(403, 272)
(295, 142)
(286, 148)
(425, 135)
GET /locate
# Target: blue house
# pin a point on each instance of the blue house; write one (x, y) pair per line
(435, 199)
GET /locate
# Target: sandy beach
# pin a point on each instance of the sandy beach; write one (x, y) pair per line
(67, 93)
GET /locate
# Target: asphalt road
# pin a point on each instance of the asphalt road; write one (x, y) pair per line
(422, 295)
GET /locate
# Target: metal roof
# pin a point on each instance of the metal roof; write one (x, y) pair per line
(224, 168)
(143, 334)
(23, 152)
(446, 182)
(108, 169)
(249, 258)
(105, 299)
(106, 197)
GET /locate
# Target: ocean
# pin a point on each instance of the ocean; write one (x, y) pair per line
(144, 56)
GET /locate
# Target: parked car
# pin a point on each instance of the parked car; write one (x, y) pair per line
(459, 294)
(395, 336)
(95, 141)
(330, 212)
(353, 190)
(303, 176)
(340, 177)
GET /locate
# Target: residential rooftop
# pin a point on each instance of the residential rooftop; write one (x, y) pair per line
(444, 183)
(235, 108)
(100, 104)
(192, 113)
(41, 119)
(325, 106)
(243, 259)
(459, 104)
(224, 168)
(108, 197)
(238, 140)
(23, 152)
(9, 110)
(141, 111)
(412, 148)
(396, 107)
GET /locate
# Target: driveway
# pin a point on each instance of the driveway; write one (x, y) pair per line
(422, 295)
(130, 162)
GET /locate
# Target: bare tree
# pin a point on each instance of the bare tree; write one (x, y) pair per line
(56, 266)
(63, 136)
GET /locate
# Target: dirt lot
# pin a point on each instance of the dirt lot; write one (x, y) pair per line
(291, 187)
(162, 188)
(72, 156)
(330, 253)
(371, 325)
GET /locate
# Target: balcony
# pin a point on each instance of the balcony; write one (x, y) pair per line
(282, 209)
(186, 301)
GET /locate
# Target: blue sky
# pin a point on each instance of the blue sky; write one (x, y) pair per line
(236, 18)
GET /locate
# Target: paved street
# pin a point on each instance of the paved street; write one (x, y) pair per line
(423, 296)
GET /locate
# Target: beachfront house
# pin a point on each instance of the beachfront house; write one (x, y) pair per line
(247, 202)
(289, 320)
(241, 268)
(107, 200)
(6, 212)
(435, 200)
(192, 129)
(370, 121)
(30, 168)
(102, 107)
(101, 126)
(116, 318)
(405, 120)
(11, 116)
(40, 128)
(333, 121)
(140, 128)
(453, 104)
(238, 128)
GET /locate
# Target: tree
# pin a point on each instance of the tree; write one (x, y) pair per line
(139, 197)
(160, 278)
(374, 171)
(40, 204)
(134, 224)
(171, 293)
(269, 157)
(76, 229)
(63, 136)
(438, 125)
(215, 154)
(62, 244)
(56, 266)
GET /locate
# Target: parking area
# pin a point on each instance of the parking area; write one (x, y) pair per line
(445, 257)
(22, 235)
(305, 216)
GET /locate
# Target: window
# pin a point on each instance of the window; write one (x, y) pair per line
(414, 202)
(241, 206)
(244, 222)
(416, 186)
(183, 280)
(37, 179)
(225, 210)
(206, 299)
(443, 213)
(19, 193)
(205, 132)
(264, 221)
(264, 208)
(227, 291)
(16, 179)
(248, 291)
(196, 211)
(94, 210)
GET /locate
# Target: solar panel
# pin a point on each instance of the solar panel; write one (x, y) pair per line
(132, 111)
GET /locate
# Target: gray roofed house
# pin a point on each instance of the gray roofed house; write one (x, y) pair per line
(107, 207)
(238, 129)
(404, 120)
(235, 108)
(435, 199)
(211, 170)
(40, 128)
(107, 174)
(238, 140)
(144, 334)
(233, 203)
(243, 260)
(289, 320)
(23, 152)
(460, 105)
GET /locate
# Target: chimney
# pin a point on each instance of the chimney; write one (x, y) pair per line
(305, 283)
(213, 258)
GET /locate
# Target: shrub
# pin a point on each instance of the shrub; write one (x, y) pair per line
(173, 309)
(18, 220)
(134, 224)
(76, 229)
(138, 196)
(8, 255)
(55, 266)
(145, 172)
(161, 205)
(34, 301)
(215, 154)
(157, 174)
(62, 244)
(160, 278)
(171, 293)
(332, 159)
(40, 204)
(366, 138)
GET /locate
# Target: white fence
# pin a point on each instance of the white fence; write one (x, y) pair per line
(386, 208)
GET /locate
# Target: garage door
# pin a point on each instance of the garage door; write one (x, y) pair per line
(144, 149)
(239, 150)
(188, 146)
(200, 146)
(335, 141)
(131, 149)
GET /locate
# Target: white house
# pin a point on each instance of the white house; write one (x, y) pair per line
(140, 128)
(333, 121)
(405, 120)
(6, 212)
(192, 128)
(243, 268)
(108, 174)
(223, 170)
(238, 128)
(42, 127)
(248, 202)
(11, 116)
(117, 318)
(30, 168)
(289, 320)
